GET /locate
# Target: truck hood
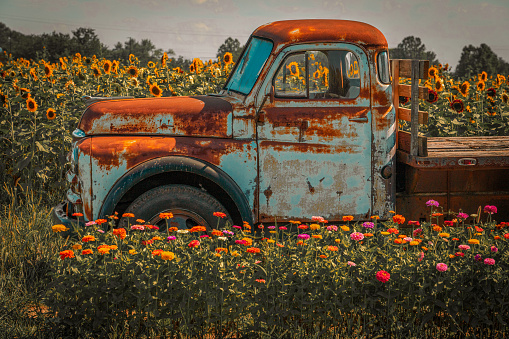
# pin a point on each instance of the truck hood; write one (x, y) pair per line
(197, 116)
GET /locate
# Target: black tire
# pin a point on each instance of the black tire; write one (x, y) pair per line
(190, 207)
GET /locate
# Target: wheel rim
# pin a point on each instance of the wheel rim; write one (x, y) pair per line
(182, 219)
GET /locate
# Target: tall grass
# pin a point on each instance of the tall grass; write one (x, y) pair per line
(27, 248)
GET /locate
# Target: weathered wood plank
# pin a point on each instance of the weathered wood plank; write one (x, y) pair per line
(405, 91)
(405, 68)
(406, 114)
(404, 139)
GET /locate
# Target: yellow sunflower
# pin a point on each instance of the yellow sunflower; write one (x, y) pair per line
(463, 88)
(133, 71)
(439, 85)
(48, 70)
(132, 58)
(114, 66)
(51, 114)
(151, 64)
(481, 85)
(107, 67)
(192, 68)
(505, 98)
(316, 74)
(134, 82)
(31, 105)
(156, 90)
(164, 58)
(483, 76)
(3, 99)
(96, 71)
(228, 58)
(24, 92)
(432, 72)
(293, 67)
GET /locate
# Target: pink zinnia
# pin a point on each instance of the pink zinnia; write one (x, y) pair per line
(316, 218)
(490, 209)
(462, 215)
(283, 228)
(383, 276)
(303, 236)
(240, 242)
(90, 223)
(494, 249)
(357, 236)
(235, 226)
(408, 239)
(417, 231)
(351, 264)
(489, 261)
(464, 247)
(442, 267)
(421, 256)
(194, 243)
(138, 227)
(332, 228)
(432, 203)
(368, 224)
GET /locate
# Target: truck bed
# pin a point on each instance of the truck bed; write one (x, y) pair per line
(453, 152)
(462, 173)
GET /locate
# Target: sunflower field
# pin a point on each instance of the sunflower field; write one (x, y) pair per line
(40, 104)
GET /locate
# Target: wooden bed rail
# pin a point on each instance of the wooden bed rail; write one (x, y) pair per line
(411, 142)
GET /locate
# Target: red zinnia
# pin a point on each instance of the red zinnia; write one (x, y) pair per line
(383, 276)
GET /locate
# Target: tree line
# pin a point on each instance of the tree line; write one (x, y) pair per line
(52, 46)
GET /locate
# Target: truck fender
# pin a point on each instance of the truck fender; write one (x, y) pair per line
(177, 164)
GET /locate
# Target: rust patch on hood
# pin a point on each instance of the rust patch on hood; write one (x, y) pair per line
(198, 116)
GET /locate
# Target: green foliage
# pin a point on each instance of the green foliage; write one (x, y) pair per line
(412, 48)
(475, 60)
(294, 287)
(232, 46)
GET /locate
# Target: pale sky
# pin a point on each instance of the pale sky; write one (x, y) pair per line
(196, 28)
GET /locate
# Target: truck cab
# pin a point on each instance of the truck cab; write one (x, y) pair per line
(305, 125)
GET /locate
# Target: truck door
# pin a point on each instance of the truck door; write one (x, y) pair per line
(314, 138)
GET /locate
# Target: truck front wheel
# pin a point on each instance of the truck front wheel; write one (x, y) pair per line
(189, 205)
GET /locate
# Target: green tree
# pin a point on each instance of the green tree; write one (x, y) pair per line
(475, 60)
(412, 48)
(87, 43)
(230, 45)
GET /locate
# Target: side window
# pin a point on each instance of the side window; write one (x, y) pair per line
(329, 74)
(291, 78)
(383, 67)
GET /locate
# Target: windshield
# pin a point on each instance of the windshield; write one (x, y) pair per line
(248, 68)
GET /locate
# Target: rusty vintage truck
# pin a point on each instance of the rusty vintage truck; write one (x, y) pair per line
(306, 124)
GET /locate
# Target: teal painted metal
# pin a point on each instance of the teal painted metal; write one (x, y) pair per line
(283, 158)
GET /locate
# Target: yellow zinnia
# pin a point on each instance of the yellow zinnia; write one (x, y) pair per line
(59, 228)
(165, 255)
(473, 241)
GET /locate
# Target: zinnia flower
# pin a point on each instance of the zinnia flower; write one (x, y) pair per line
(253, 250)
(473, 241)
(171, 237)
(431, 202)
(489, 261)
(421, 256)
(351, 264)
(59, 228)
(219, 214)
(368, 224)
(494, 249)
(198, 229)
(383, 276)
(462, 215)
(87, 251)
(167, 215)
(194, 243)
(442, 267)
(314, 227)
(261, 281)
(166, 255)
(120, 232)
(138, 227)
(88, 238)
(398, 219)
(303, 236)
(490, 209)
(464, 247)
(357, 236)
(347, 218)
(66, 254)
